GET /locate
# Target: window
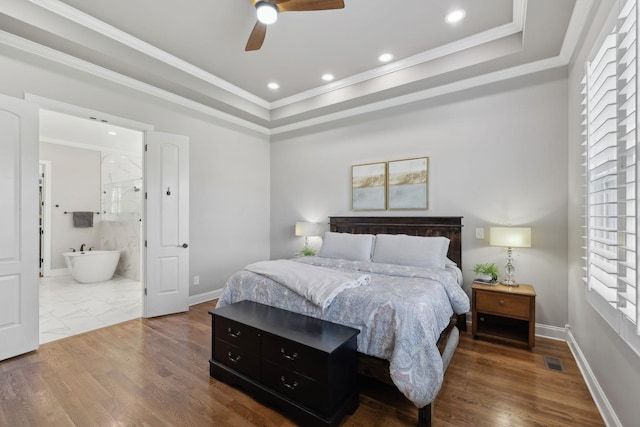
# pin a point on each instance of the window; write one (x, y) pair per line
(610, 106)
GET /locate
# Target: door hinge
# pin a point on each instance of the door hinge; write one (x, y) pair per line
(145, 147)
(145, 243)
(145, 291)
(145, 195)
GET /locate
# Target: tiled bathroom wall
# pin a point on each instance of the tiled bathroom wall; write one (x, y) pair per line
(122, 207)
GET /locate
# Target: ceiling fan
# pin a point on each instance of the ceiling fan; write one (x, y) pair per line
(267, 11)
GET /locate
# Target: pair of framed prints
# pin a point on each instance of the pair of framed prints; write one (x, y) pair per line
(398, 184)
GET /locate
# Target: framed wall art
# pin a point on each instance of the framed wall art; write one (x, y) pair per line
(368, 186)
(408, 183)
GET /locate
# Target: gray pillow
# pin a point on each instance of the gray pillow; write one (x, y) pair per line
(417, 251)
(354, 247)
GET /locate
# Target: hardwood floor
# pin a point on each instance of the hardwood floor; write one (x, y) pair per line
(155, 373)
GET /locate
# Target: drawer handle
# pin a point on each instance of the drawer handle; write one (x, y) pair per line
(233, 359)
(233, 334)
(294, 356)
(501, 302)
(287, 385)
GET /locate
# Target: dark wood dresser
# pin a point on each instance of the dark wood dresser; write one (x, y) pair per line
(305, 366)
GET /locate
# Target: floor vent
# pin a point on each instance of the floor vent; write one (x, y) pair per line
(553, 363)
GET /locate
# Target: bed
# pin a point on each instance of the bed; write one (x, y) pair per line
(404, 296)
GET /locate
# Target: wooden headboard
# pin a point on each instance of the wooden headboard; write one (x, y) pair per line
(447, 226)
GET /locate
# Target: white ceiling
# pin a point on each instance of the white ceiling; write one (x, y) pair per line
(192, 51)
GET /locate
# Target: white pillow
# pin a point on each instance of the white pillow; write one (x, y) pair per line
(417, 251)
(355, 247)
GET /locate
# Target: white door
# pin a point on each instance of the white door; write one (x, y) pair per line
(167, 231)
(18, 227)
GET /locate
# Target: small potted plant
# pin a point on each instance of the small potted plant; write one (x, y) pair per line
(486, 272)
(307, 252)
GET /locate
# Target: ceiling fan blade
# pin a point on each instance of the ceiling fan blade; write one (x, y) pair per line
(302, 5)
(257, 37)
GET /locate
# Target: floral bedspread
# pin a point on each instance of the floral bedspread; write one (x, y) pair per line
(400, 315)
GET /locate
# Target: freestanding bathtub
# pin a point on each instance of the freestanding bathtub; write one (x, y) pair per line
(92, 266)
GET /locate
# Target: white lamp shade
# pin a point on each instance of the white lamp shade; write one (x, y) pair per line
(306, 229)
(510, 237)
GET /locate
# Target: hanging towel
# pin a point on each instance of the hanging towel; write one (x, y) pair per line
(83, 219)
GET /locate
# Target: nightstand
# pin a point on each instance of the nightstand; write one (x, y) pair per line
(506, 313)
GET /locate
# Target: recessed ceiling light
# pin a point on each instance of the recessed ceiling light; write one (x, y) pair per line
(455, 16)
(273, 86)
(385, 57)
(112, 133)
(327, 77)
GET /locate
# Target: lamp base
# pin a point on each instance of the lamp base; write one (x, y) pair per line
(510, 283)
(509, 269)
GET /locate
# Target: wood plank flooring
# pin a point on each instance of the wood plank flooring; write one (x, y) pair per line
(155, 372)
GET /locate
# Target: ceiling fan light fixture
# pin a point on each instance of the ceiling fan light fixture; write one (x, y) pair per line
(267, 12)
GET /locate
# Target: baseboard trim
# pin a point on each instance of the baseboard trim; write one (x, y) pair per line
(204, 297)
(599, 397)
(551, 332)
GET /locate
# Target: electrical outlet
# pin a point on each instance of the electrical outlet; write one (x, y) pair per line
(196, 280)
(479, 232)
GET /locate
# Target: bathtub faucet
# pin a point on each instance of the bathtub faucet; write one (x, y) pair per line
(82, 247)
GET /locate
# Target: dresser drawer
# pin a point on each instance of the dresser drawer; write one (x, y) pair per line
(237, 334)
(295, 357)
(300, 388)
(237, 358)
(503, 304)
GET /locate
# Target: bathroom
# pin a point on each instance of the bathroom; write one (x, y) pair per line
(88, 165)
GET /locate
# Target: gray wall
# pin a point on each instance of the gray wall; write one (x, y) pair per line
(615, 366)
(75, 186)
(229, 166)
(497, 156)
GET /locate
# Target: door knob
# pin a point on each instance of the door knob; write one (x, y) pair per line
(184, 245)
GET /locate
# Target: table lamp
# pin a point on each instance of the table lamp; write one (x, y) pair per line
(306, 229)
(510, 237)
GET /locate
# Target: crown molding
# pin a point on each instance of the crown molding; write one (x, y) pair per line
(514, 27)
(30, 47)
(135, 43)
(578, 21)
(420, 58)
(473, 82)
(88, 21)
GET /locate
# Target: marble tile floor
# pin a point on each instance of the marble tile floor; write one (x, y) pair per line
(68, 308)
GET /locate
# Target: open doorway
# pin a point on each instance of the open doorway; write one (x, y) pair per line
(94, 167)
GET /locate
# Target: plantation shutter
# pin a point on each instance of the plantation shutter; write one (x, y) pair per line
(609, 109)
(627, 168)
